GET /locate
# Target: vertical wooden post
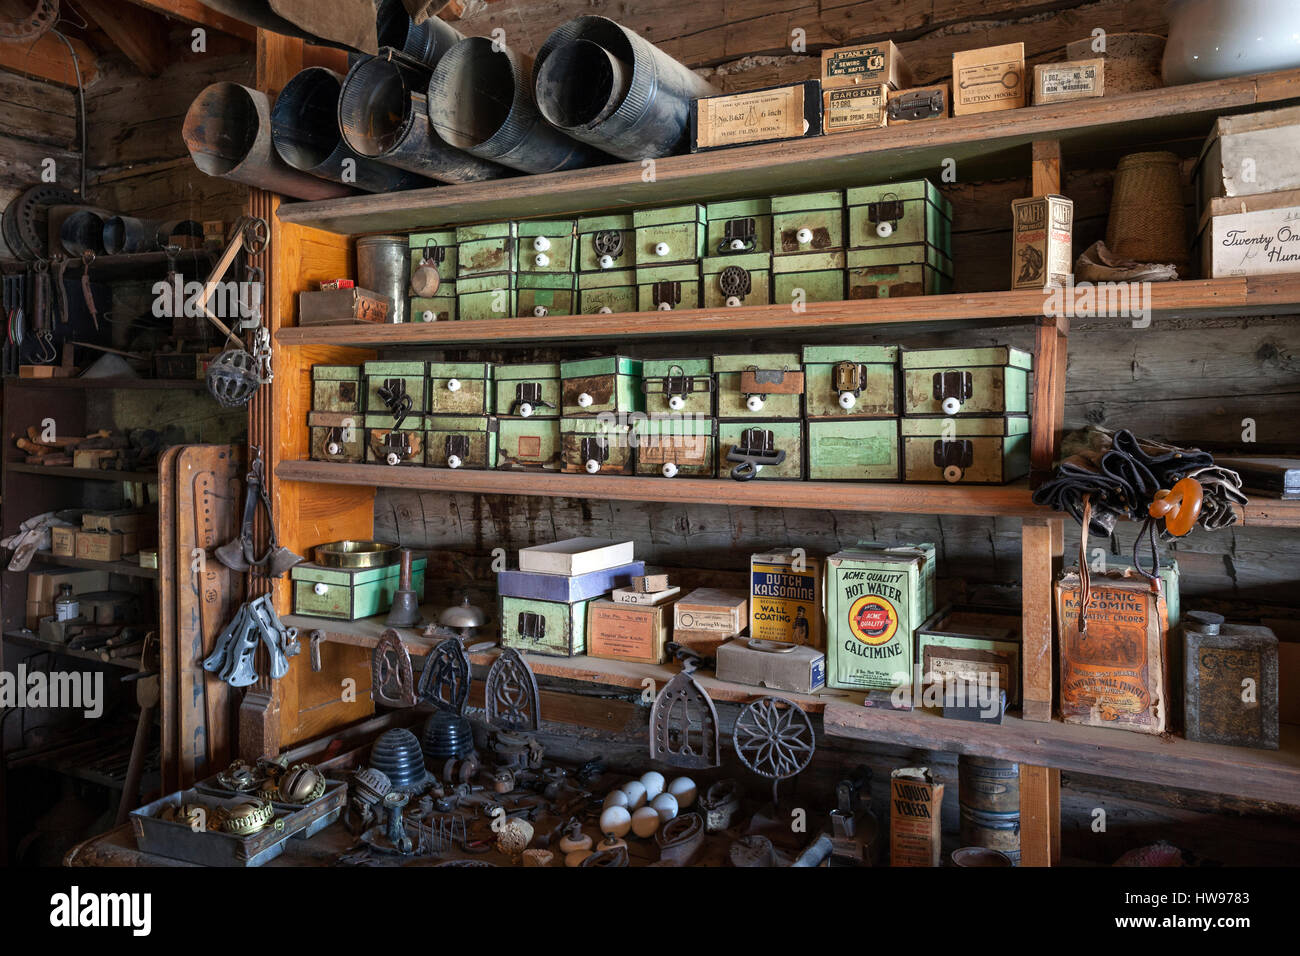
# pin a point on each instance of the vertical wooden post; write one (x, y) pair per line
(1040, 816)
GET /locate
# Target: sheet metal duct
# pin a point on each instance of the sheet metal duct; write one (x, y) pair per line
(127, 234)
(77, 229)
(346, 24)
(228, 133)
(305, 131)
(426, 41)
(605, 85)
(481, 99)
(383, 116)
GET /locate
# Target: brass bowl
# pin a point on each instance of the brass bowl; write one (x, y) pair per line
(356, 554)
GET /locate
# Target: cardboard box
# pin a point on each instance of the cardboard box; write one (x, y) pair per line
(643, 598)
(769, 664)
(856, 108)
(863, 65)
(786, 604)
(121, 520)
(576, 556)
(919, 104)
(63, 542)
(96, 458)
(105, 545)
(988, 79)
(343, 307)
(1042, 237)
(756, 116)
(628, 632)
(1075, 80)
(565, 588)
(1259, 242)
(712, 611)
(915, 805)
(650, 583)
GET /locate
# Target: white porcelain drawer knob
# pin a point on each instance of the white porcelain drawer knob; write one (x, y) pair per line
(670, 469)
(453, 385)
(665, 306)
(541, 244)
(593, 466)
(884, 229)
(542, 260)
(541, 311)
(606, 262)
(951, 406)
(605, 310)
(804, 235)
(453, 461)
(320, 588)
(661, 249)
(584, 400)
(393, 458)
(676, 403)
(429, 315)
(847, 400)
(333, 448)
(525, 410)
(754, 403)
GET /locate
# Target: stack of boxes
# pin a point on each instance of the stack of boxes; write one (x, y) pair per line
(679, 434)
(544, 266)
(669, 247)
(528, 416)
(857, 83)
(597, 400)
(808, 248)
(900, 240)
(395, 404)
(606, 264)
(334, 423)
(851, 412)
(485, 271)
(760, 404)
(460, 430)
(436, 250)
(737, 265)
(634, 623)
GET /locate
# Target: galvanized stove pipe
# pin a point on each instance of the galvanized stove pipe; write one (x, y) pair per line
(305, 131)
(481, 99)
(228, 133)
(383, 117)
(127, 234)
(76, 229)
(426, 42)
(605, 85)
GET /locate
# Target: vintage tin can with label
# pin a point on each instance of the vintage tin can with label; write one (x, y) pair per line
(850, 381)
(599, 385)
(544, 627)
(435, 250)
(669, 236)
(874, 603)
(895, 271)
(606, 243)
(863, 65)
(992, 380)
(665, 288)
(859, 108)
(628, 632)
(1042, 239)
(1230, 689)
(528, 444)
(919, 104)
(396, 388)
(492, 296)
(736, 280)
(929, 556)
(349, 594)
(608, 291)
(970, 451)
(808, 222)
(759, 386)
(336, 388)
(772, 448)
(676, 446)
(785, 598)
(336, 436)
(389, 445)
(683, 386)
(545, 246)
(485, 249)
(913, 212)
(1075, 80)
(972, 645)
(852, 449)
(810, 277)
(756, 116)
(988, 79)
(739, 226)
(539, 295)
(593, 446)
(438, 308)
(530, 390)
(915, 818)
(460, 441)
(989, 801)
(460, 388)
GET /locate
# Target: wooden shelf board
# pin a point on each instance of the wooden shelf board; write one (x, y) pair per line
(181, 384)
(131, 265)
(1270, 513)
(1272, 775)
(93, 474)
(31, 639)
(981, 145)
(129, 568)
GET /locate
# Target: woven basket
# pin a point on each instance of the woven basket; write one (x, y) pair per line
(1148, 222)
(1132, 60)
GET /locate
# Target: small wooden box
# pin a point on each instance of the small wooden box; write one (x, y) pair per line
(689, 381)
(857, 108)
(628, 632)
(670, 235)
(396, 379)
(741, 437)
(528, 444)
(1042, 239)
(343, 307)
(336, 436)
(606, 243)
(530, 390)
(992, 380)
(591, 387)
(853, 449)
(665, 288)
(808, 222)
(612, 290)
(594, 446)
(864, 65)
(919, 104)
(63, 542)
(544, 627)
(545, 246)
(777, 383)
(988, 79)
(485, 249)
(105, 545)
(460, 388)
(713, 610)
(439, 247)
(460, 441)
(1063, 82)
(681, 446)
(490, 296)
(736, 280)
(386, 445)
(542, 294)
(850, 381)
(969, 451)
(336, 388)
(756, 116)
(739, 226)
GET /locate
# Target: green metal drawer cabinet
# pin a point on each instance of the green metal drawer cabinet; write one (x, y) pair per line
(751, 444)
(460, 441)
(676, 447)
(595, 446)
(666, 288)
(598, 385)
(969, 451)
(759, 386)
(606, 243)
(336, 436)
(460, 388)
(736, 279)
(531, 390)
(683, 386)
(349, 594)
(544, 627)
(850, 381)
(859, 449)
(991, 380)
(387, 444)
(336, 388)
(738, 226)
(396, 388)
(613, 290)
(528, 444)
(669, 236)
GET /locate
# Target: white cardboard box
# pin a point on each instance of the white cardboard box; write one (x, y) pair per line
(575, 556)
(1263, 242)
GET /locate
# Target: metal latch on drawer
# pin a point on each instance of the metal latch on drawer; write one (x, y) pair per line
(885, 214)
(757, 448)
(951, 389)
(849, 379)
(528, 399)
(532, 626)
(954, 457)
(738, 236)
(758, 383)
(396, 399)
(677, 385)
(666, 294)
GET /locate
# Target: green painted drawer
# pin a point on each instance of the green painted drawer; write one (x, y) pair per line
(349, 595)
(808, 277)
(897, 281)
(738, 226)
(682, 386)
(808, 222)
(460, 388)
(612, 236)
(736, 280)
(968, 451)
(440, 246)
(540, 295)
(676, 447)
(609, 384)
(668, 236)
(438, 308)
(786, 436)
(982, 381)
(850, 381)
(336, 388)
(485, 249)
(528, 444)
(544, 627)
(336, 436)
(398, 379)
(594, 446)
(460, 441)
(895, 214)
(528, 391)
(545, 246)
(733, 402)
(610, 291)
(486, 296)
(668, 287)
(862, 449)
(386, 445)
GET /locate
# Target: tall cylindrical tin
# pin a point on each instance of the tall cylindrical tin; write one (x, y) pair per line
(384, 266)
(605, 85)
(989, 797)
(426, 42)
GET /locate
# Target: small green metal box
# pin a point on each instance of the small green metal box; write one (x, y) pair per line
(678, 446)
(606, 243)
(438, 308)
(390, 384)
(486, 297)
(613, 290)
(767, 436)
(460, 388)
(668, 287)
(541, 294)
(992, 380)
(808, 277)
(545, 246)
(593, 386)
(439, 247)
(528, 444)
(528, 391)
(808, 222)
(684, 386)
(850, 381)
(336, 436)
(460, 441)
(894, 271)
(349, 594)
(896, 214)
(853, 449)
(671, 235)
(485, 249)
(336, 388)
(776, 389)
(738, 226)
(544, 627)
(389, 445)
(595, 446)
(968, 451)
(736, 279)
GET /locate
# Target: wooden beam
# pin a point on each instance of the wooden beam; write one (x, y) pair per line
(1040, 816)
(1047, 167)
(49, 59)
(139, 34)
(1036, 617)
(193, 12)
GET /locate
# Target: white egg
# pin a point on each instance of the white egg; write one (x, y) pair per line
(653, 781)
(616, 821)
(645, 821)
(635, 791)
(683, 788)
(615, 798)
(665, 805)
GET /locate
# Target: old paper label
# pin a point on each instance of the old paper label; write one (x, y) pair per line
(751, 117)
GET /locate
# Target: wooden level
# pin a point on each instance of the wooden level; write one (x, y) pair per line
(1272, 775)
(984, 145)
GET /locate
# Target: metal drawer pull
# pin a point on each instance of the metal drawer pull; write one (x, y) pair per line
(757, 448)
(951, 388)
(954, 457)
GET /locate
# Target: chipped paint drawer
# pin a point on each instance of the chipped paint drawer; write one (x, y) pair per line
(850, 381)
(460, 441)
(545, 246)
(528, 444)
(676, 447)
(896, 214)
(541, 294)
(598, 385)
(389, 445)
(668, 287)
(349, 594)
(738, 226)
(759, 386)
(738, 441)
(438, 247)
(968, 451)
(395, 386)
(336, 388)
(808, 222)
(595, 446)
(668, 236)
(978, 381)
(735, 280)
(527, 391)
(609, 291)
(895, 271)
(606, 243)
(336, 436)
(684, 386)
(438, 308)
(858, 449)
(485, 249)
(808, 277)
(486, 296)
(460, 388)
(544, 627)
